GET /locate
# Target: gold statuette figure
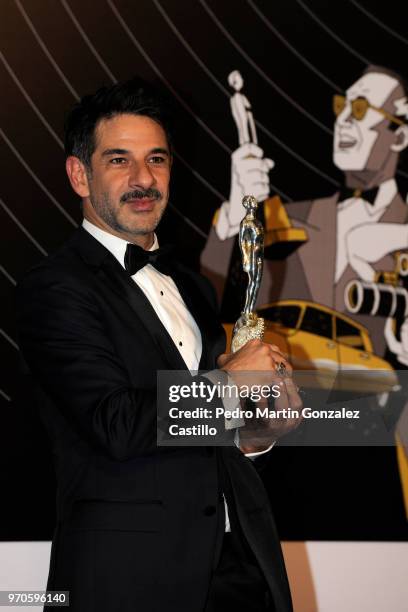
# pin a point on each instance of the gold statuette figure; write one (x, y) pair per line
(251, 243)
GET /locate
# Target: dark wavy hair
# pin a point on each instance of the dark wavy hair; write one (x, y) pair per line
(135, 97)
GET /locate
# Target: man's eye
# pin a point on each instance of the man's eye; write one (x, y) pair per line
(118, 160)
(157, 159)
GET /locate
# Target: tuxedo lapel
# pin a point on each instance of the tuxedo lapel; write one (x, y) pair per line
(111, 273)
(120, 282)
(396, 212)
(318, 255)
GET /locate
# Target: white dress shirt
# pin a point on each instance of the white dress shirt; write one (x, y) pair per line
(356, 211)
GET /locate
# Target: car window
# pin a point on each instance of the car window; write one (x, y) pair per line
(287, 316)
(317, 322)
(349, 334)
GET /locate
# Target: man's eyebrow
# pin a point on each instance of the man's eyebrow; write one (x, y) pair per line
(160, 150)
(115, 152)
(108, 152)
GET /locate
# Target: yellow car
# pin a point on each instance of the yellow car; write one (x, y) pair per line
(334, 349)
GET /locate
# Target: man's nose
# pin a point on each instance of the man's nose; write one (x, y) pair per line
(141, 175)
(345, 117)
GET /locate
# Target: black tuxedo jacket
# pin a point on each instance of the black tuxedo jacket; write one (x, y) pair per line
(137, 524)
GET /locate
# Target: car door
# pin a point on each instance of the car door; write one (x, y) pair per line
(361, 369)
(314, 348)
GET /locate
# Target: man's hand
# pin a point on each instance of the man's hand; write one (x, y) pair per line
(254, 356)
(249, 176)
(255, 365)
(370, 242)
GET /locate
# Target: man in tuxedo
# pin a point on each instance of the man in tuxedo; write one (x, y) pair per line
(140, 527)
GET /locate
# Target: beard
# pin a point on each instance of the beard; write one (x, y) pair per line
(134, 224)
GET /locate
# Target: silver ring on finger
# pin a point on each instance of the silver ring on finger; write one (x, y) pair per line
(280, 369)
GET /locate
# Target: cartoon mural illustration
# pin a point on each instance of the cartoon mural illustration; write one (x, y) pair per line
(354, 244)
(350, 234)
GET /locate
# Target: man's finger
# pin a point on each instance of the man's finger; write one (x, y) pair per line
(248, 149)
(294, 399)
(261, 187)
(252, 164)
(279, 358)
(277, 349)
(222, 359)
(282, 402)
(268, 164)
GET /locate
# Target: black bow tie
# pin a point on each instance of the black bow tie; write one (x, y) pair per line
(369, 195)
(136, 258)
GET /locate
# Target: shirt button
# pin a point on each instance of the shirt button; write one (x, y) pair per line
(180, 343)
(161, 293)
(209, 510)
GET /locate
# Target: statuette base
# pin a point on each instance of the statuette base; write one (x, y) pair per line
(247, 328)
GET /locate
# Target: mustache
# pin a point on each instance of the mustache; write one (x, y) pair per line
(138, 194)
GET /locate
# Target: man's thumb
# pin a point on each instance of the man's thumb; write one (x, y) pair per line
(222, 359)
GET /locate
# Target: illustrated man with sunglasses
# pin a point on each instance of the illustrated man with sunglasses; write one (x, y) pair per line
(370, 132)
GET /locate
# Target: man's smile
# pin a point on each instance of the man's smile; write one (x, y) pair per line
(347, 144)
(141, 204)
(346, 141)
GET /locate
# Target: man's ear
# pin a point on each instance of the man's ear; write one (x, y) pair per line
(77, 176)
(401, 139)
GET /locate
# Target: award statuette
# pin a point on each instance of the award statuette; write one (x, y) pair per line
(251, 244)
